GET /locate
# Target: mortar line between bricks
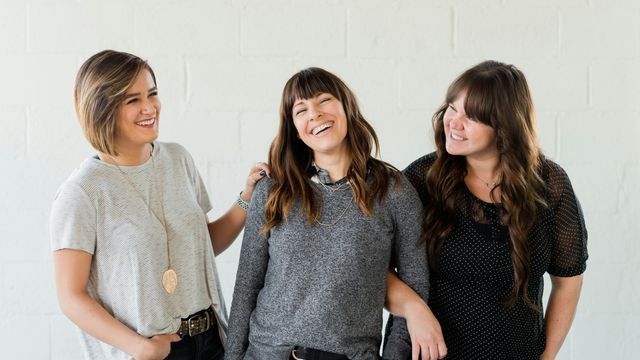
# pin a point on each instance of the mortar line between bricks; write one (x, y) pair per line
(454, 30)
(27, 26)
(346, 33)
(27, 131)
(559, 40)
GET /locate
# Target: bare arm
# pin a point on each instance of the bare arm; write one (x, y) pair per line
(424, 328)
(561, 309)
(225, 229)
(72, 274)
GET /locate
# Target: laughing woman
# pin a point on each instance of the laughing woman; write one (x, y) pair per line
(498, 216)
(133, 250)
(322, 233)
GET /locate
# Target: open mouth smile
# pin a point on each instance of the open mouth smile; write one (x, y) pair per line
(147, 122)
(321, 128)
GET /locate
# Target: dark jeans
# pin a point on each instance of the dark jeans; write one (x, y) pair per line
(205, 346)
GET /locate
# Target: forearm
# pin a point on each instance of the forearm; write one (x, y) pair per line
(93, 319)
(400, 299)
(561, 310)
(225, 229)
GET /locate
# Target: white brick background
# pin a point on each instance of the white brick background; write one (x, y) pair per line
(221, 66)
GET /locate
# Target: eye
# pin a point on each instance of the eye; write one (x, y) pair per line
(153, 93)
(300, 111)
(131, 101)
(324, 100)
(452, 108)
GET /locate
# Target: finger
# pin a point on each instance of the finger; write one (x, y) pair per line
(415, 351)
(174, 337)
(442, 350)
(254, 177)
(264, 167)
(433, 351)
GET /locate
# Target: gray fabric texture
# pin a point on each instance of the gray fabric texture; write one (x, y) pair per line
(324, 287)
(97, 211)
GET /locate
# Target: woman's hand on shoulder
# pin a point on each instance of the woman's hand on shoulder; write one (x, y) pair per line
(427, 341)
(156, 348)
(257, 172)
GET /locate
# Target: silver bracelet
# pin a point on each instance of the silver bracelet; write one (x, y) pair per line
(243, 204)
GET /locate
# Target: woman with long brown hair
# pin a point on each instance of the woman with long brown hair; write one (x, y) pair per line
(498, 216)
(322, 233)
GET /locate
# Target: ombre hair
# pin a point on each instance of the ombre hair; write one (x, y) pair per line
(290, 158)
(100, 87)
(497, 95)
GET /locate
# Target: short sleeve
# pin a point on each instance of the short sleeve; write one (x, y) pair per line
(569, 233)
(201, 193)
(198, 185)
(73, 220)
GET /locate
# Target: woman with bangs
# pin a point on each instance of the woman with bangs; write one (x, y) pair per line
(498, 216)
(322, 233)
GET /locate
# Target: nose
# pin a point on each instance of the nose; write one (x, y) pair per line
(456, 122)
(147, 107)
(314, 112)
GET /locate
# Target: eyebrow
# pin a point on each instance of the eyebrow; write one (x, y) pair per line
(136, 94)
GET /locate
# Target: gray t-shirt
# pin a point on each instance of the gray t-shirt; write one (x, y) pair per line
(324, 287)
(97, 211)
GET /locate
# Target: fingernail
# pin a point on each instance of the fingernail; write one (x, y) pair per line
(262, 173)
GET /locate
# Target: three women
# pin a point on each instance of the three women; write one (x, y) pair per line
(133, 259)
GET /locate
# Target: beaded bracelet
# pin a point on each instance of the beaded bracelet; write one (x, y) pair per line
(243, 204)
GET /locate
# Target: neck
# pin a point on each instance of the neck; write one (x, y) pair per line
(487, 168)
(336, 165)
(128, 156)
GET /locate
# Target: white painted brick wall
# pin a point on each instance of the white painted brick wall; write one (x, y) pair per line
(221, 66)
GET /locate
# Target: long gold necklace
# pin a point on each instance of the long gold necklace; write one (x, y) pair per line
(169, 277)
(331, 190)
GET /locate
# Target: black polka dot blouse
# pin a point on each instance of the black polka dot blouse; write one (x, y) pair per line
(475, 271)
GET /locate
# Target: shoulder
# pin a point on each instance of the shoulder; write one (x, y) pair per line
(172, 150)
(401, 192)
(425, 162)
(556, 180)
(262, 189)
(554, 175)
(417, 170)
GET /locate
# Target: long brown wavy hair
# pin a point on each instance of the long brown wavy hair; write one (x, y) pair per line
(290, 158)
(498, 96)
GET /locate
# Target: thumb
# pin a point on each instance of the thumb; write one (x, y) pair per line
(174, 337)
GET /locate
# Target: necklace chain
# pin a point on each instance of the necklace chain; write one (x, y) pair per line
(333, 188)
(169, 275)
(489, 185)
(339, 217)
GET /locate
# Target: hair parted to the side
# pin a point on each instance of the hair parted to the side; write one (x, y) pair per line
(290, 158)
(498, 96)
(100, 87)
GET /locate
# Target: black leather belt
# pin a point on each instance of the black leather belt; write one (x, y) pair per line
(303, 353)
(197, 323)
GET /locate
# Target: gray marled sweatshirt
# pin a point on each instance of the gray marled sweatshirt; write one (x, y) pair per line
(324, 287)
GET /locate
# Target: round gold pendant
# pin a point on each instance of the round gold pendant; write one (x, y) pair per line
(170, 281)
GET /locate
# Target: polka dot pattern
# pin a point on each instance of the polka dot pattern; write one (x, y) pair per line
(476, 273)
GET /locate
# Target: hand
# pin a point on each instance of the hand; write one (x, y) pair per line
(157, 347)
(546, 355)
(426, 334)
(257, 172)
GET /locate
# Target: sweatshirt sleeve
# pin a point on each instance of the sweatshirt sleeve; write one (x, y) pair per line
(254, 259)
(410, 259)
